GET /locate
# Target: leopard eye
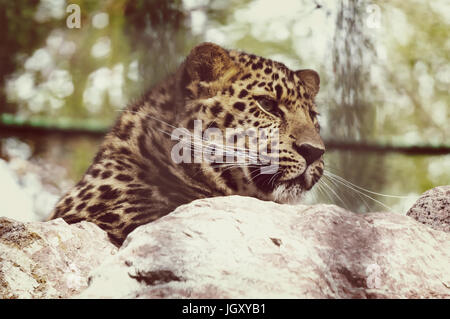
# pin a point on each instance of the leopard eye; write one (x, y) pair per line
(317, 126)
(313, 114)
(267, 103)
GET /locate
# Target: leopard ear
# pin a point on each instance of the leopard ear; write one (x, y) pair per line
(207, 62)
(311, 79)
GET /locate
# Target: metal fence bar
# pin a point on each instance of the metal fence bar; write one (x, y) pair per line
(31, 131)
(385, 148)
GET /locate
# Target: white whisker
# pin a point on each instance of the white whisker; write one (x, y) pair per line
(356, 190)
(335, 194)
(361, 188)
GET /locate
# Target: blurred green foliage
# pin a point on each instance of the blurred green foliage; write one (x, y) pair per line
(18, 34)
(154, 34)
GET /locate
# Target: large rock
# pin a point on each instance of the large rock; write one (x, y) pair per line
(238, 247)
(433, 208)
(49, 260)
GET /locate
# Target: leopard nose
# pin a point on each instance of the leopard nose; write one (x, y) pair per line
(309, 152)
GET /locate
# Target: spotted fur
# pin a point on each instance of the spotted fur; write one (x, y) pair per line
(133, 181)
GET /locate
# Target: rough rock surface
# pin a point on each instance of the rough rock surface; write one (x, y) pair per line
(239, 247)
(49, 260)
(433, 208)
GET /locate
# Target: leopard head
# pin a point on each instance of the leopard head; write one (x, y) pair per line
(228, 89)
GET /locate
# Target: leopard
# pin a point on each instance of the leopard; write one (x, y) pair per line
(133, 179)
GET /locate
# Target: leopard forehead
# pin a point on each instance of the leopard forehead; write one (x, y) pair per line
(270, 76)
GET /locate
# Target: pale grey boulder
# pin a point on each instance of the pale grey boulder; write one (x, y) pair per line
(49, 259)
(240, 247)
(433, 208)
(230, 247)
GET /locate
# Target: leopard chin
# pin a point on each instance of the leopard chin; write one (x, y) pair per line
(292, 191)
(288, 193)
